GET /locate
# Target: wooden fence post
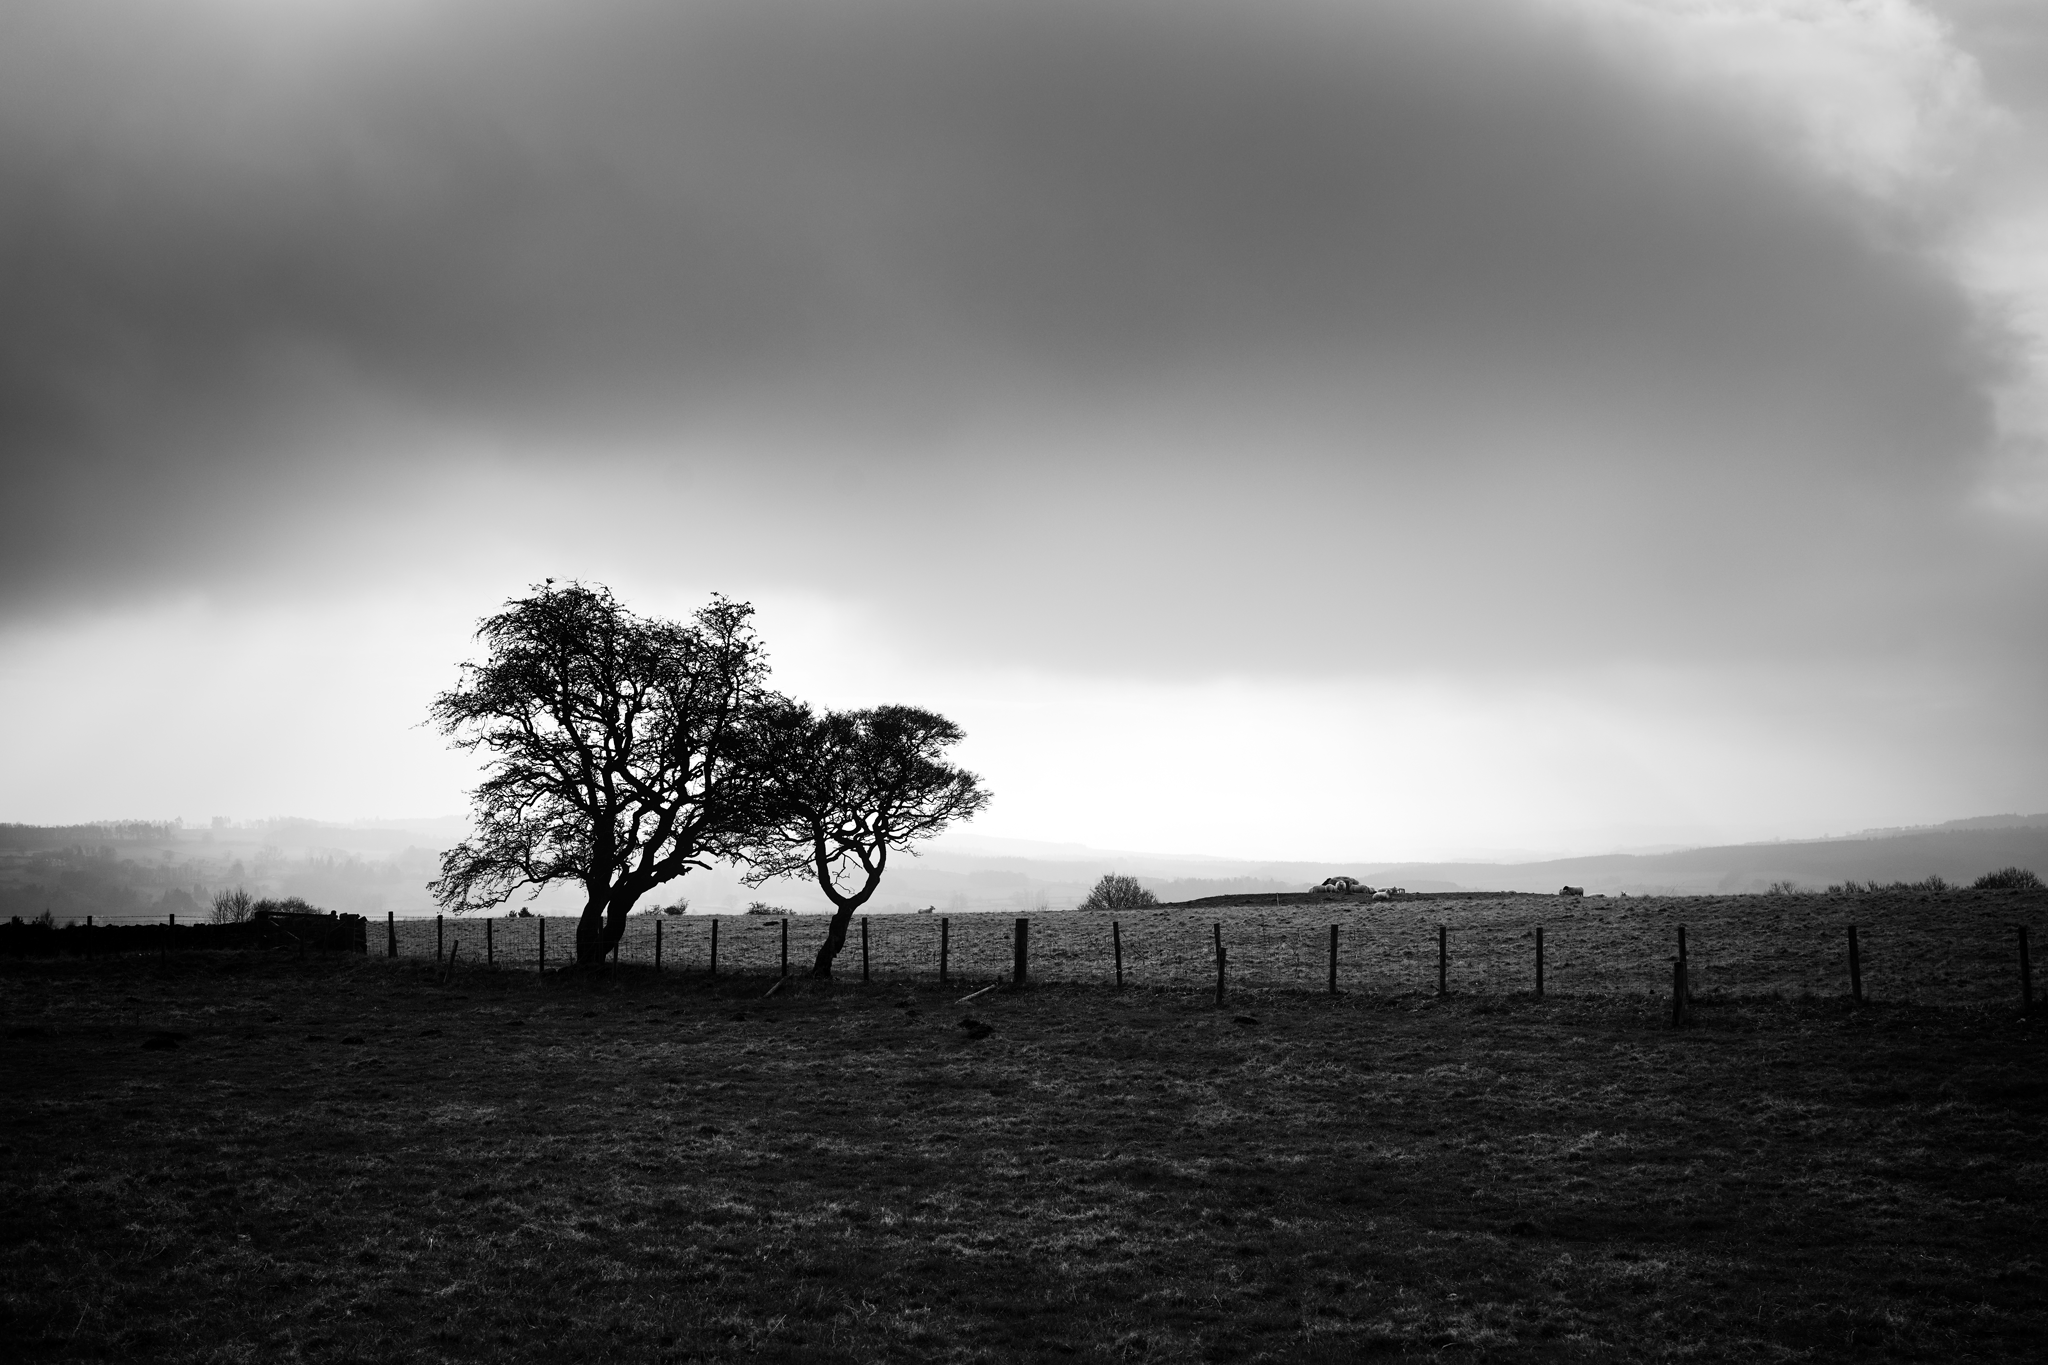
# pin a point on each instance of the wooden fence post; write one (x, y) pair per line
(657, 947)
(785, 945)
(1443, 959)
(2026, 975)
(714, 947)
(1855, 968)
(863, 950)
(1684, 967)
(437, 939)
(1539, 962)
(1677, 993)
(540, 938)
(1333, 959)
(1116, 943)
(1020, 964)
(1218, 927)
(490, 942)
(390, 933)
(945, 937)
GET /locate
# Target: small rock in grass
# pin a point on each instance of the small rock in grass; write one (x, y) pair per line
(975, 1028)
(1244, 1019)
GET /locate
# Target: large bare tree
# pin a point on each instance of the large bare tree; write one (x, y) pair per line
(621, 752)
(851, 787)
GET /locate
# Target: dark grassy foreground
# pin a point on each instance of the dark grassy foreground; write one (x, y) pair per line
(349, 1161)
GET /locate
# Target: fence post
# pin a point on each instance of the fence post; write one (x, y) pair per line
(785, 945)
(945, 936)
(1021, 958)
(1677, 993)
(390, 933)
(714, 947)
(1333, 959)
(540, 938)
(1116, 943)
(437, 938)
(1684, 967)
(1539, 962)
(490, 942)
(863, 950)
(1218, 928)
(657, 947)
(1443, 959)
(1855, 968)
(2026, 973)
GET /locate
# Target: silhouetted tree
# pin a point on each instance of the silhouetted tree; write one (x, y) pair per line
(850, 787)
(620, 752)
(1118, 892)
(232, 907)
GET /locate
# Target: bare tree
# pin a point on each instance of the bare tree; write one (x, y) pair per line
(232, 907)
(620, 752)
(850, 788)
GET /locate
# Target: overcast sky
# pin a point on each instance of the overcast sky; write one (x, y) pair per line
(1308, 428)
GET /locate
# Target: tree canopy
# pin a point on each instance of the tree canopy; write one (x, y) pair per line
(850, 787)
(621, 752)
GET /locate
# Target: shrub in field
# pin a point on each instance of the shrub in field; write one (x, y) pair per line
(232, 907)
(764, 908)
(2007, 879)
(290, 905)
(1118, 892)
(681, 907)
(1782, 889)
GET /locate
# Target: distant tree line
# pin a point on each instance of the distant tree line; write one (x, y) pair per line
(622, 751)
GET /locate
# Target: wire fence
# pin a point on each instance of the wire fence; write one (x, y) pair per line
(1933, 949)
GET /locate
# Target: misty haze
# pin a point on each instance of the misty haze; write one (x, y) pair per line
(938, 680)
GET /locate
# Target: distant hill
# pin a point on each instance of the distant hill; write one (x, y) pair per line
(1959, 851)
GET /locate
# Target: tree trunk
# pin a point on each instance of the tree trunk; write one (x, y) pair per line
(590, 944)
(835, 939)
(835, 933)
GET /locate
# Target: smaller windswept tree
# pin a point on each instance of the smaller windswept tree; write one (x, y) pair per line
(1118, 892)
(850, 788)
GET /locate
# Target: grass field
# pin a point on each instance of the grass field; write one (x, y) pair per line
(236, 1157)
(1954, 947)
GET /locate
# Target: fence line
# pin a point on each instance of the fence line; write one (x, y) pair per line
(1583, 951)
(1953, 949)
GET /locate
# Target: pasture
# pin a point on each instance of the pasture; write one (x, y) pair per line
(240, 1157)
(1955, 947)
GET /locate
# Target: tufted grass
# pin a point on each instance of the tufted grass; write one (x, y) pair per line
(346, 1160)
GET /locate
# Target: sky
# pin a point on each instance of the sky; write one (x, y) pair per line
(1308, 429)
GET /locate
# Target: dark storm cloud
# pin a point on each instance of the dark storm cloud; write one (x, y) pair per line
(1216, 277)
